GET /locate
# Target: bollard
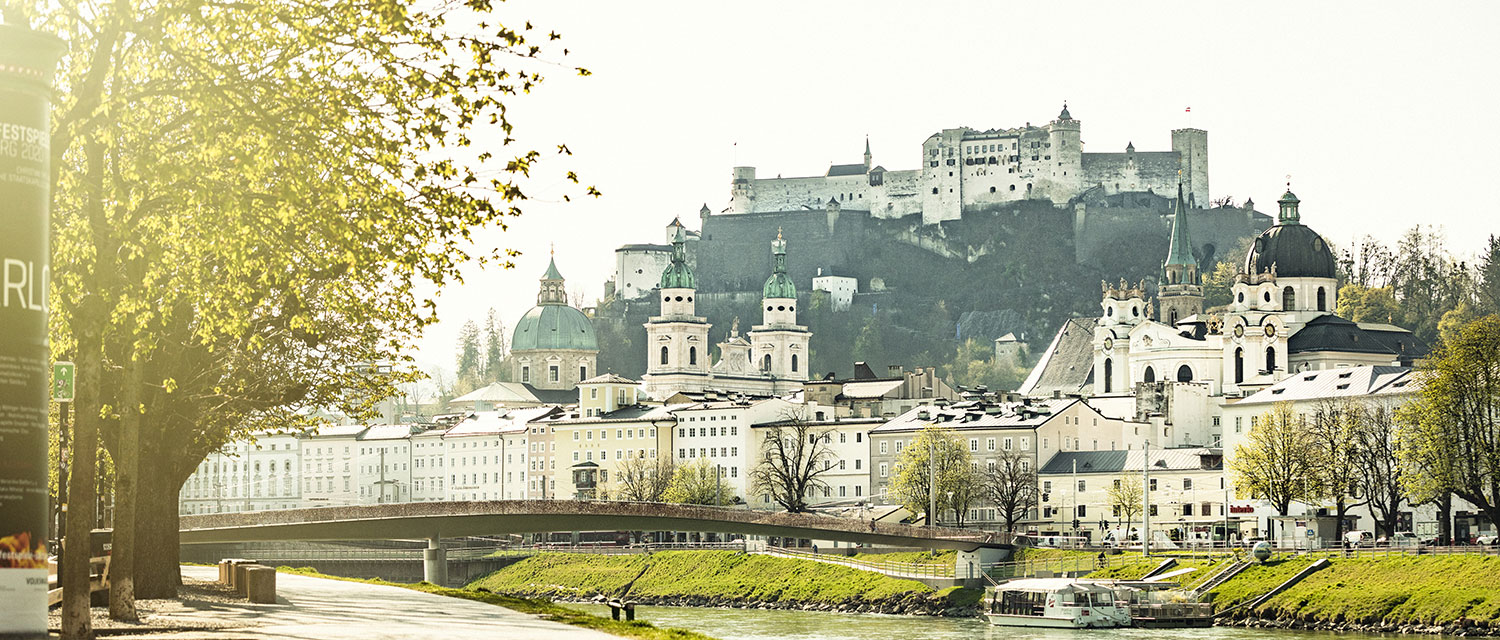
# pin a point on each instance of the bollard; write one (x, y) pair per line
(630, 611)
(614, 609)
(237, 578)
(260, 584)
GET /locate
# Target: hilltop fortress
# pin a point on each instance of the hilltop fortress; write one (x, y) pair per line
(966, 168)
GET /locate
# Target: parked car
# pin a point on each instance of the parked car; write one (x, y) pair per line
(1487, 540)
(1359, 538)
(1399, 539)
(1251, 542)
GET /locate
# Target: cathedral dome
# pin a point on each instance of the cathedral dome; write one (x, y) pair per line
(1295, 249)
(554, 326)
(779, 285)
(677, 275)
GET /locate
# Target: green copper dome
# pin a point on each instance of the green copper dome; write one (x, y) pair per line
(554, 326)
(678, 275)
(779, 285)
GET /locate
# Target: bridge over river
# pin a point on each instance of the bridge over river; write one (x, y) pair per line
(435, 520)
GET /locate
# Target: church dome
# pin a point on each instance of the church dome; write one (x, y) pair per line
(554, 326)
(779, 285)
(678, 275)
(1294, 248)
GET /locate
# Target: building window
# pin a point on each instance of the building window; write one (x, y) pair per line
(1187, 485)
(663, 355)
(1270, 359)
(1184, 374)
(1288, 299)
(552, 373)
(692, 355)
(1150, 375)
(1109, 375)
(765, 363)
(1322, 299)
(1239, 365)
(525, 374)
(884, 470)
(989, 444)
(794, 363)
(583, 372)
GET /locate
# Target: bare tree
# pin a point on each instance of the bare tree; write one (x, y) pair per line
(1010, 484)
(794, 454)
(1380, 468)
(1336, 436)
(643, 479)
(1126, 499)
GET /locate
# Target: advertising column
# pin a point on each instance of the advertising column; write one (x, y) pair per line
(27, 63)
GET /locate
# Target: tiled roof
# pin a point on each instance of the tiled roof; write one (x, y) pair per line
(1332, 333)
(1131, 460)
(1068, 363)
(963, 416)
(1333, 383)
(497, 422)
(608, 378)
(871, 389)
(846, 170)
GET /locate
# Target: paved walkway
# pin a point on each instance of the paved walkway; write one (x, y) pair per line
(319, 609)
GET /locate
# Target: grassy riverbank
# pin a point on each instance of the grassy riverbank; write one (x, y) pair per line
(717, 578)
(540, 608)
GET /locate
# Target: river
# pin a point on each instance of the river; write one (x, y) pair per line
(758, 624)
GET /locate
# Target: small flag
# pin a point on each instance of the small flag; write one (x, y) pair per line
(1188, 110)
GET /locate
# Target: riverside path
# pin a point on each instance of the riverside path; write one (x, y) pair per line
(320, 609)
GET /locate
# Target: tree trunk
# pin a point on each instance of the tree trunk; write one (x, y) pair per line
(1445, 521)
(156, 564)
(76, 624)
(127, 456)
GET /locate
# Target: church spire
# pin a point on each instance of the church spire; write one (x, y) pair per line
(678, 275)
(779, 285)
(1180, 251)
(867, 153)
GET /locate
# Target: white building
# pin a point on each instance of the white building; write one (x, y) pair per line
(840, 289)
(385, 463)
(329, 472)
(487, 454)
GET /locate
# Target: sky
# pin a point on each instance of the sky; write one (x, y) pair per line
(1383, 114)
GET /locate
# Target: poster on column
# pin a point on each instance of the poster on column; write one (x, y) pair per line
(27, 60)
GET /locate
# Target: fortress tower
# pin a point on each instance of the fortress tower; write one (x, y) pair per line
(1066, 168)
(1181, 290)
(1191, 145)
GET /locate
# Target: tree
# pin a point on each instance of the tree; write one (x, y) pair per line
(1011, 485)
(644, 479)
(793, 456)
(1362, 304)
(1218, 284)
(1488, 293)
(494, 348)
(1126, 498)
(468, 364)
(1451, 431)
(251, 199)
(937, 447)
(1337, 432)
(1380, 467)
(699, 482)
(1278, 462)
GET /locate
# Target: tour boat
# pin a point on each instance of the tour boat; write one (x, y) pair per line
(1056, 603)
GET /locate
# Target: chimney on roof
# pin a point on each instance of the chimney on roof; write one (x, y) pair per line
(895, 370)
(1057, 394)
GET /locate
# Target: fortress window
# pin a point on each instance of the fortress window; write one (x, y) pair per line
(1012, 187)
(992, 189)
(934, 191)
(1322, 299)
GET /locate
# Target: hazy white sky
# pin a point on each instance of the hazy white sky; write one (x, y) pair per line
(1383, 113)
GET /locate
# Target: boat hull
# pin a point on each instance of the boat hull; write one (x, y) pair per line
(1008, 620)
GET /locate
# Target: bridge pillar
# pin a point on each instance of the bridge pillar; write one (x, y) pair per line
(435, 562)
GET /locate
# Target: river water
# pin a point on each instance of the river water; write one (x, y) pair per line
(757, 624)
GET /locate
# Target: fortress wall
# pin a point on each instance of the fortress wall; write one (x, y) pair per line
(791, 194)
(1141, 171)
(899, 195)
(734, 253)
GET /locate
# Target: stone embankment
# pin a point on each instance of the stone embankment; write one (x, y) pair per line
(916, 604)
(1463, 627)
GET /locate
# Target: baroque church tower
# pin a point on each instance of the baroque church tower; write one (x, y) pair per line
(1181, 289)
(779, 344)
(677, 340)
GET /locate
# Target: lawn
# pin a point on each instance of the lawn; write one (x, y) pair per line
(944, 558)
(1395, 589)
(717, 575)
